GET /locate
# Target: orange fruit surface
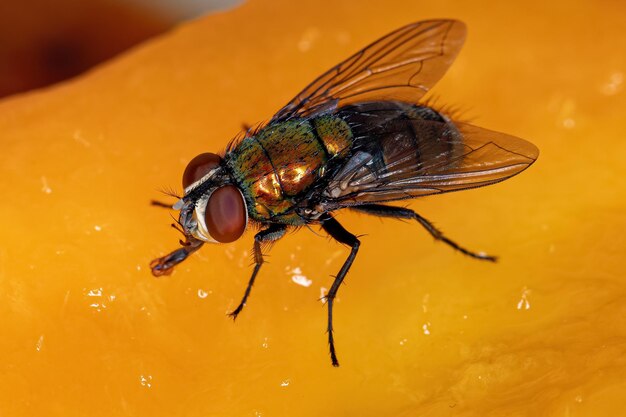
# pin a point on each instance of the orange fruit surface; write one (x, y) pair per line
(420, 330)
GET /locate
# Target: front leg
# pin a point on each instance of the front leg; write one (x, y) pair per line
(271, 234)
(165, 265)
(337, 232)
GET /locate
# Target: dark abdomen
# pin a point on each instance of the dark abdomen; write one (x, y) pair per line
(400, 135)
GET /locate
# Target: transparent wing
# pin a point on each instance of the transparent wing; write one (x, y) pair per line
(458, 157)
(401, 66)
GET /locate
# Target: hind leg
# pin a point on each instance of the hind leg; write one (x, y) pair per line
(381, 210)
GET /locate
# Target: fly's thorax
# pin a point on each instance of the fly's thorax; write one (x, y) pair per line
(334, 133)
(282, 161)
(253, 170)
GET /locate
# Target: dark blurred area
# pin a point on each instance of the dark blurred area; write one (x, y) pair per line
(43, 42)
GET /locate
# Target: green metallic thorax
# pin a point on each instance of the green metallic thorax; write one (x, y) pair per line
(275, 167)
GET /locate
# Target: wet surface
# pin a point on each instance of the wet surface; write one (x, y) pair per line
(420, 330)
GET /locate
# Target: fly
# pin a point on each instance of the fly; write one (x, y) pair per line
(357, 137)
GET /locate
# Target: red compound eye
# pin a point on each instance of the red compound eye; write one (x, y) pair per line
(225, 214)
(199, 167)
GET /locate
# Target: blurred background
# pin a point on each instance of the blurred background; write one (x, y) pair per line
(37, 50)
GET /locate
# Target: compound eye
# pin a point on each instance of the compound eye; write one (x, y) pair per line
(199, 167)
(225, 215)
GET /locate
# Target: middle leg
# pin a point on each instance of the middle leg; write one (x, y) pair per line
(337, 232)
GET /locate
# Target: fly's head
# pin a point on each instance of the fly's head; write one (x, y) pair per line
(212, 210)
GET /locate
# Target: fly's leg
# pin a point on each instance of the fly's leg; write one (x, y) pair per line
(165, 265)
(337, 232)
(404, 213)
(271, 234)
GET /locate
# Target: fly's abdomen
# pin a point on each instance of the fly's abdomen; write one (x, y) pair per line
(279, 163)
(401, 136)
